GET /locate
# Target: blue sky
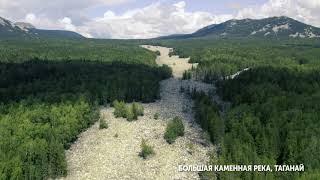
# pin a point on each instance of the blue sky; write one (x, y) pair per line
(149, 18)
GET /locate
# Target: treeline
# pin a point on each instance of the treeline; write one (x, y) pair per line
(46, 103)
(59, 81)
(83, 50)
(274, 119)
(220, 58)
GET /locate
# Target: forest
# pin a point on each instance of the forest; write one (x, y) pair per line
(274, 114)
(223, 57)
(51, 91)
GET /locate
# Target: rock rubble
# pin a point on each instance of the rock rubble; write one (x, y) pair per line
(99, 154)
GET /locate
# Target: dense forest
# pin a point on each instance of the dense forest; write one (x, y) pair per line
(125, 51)
(223, 57)
(50, 91)
(274, 119)
(274, 116)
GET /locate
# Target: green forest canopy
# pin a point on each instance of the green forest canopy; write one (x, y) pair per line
(50, 91)
(274, 117)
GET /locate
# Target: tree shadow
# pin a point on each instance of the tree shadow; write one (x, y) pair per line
(53, 82)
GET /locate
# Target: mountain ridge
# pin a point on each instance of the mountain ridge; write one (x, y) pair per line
(9, 29)
(272, 27)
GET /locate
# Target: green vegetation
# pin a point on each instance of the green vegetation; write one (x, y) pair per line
(158, 53)
(207, 115)
(103, 124)
(274, 119)
(186, 75)
(131, 112)
(175, 128)
(146, 150)
(50, 92)
(79, 50)
(137, 110)
(274, 113)
(156, 116)
(120, 109)
(222, 57)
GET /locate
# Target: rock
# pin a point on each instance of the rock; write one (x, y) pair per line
(99, 155)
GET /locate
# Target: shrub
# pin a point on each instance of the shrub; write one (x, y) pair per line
(175, 128)
(129, 114)
(137, 110)
(166, 71)
(156, 116)
(134, 111)
(146, 150)
(186, 75)
(103, 124)
(116, 135)
(120, 109)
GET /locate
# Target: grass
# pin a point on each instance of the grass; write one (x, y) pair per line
(146, 150)
(130, 112)
(103, 124)
(175, 128)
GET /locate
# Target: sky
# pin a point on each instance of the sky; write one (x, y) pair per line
(127, 19)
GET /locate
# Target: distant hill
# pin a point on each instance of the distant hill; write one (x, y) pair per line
(274, 27)
(9, 29)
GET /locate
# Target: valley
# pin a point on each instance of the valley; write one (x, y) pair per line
(98, 154)
(244, 91)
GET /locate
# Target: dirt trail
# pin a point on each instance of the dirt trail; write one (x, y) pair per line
(98, 154)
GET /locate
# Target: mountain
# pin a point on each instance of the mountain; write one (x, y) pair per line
(274, 27)
(9, 29)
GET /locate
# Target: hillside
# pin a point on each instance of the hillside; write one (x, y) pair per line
(274, 27)
(9, 29)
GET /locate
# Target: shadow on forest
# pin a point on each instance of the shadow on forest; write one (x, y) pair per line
(53, 82)
(45, 105)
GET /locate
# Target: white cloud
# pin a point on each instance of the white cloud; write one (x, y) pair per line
(68, 24)
(30, 17)
(63, 23)
(157, 19)
(54, 9)
(307, 11)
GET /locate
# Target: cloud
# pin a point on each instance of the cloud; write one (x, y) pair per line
(157, 19)
(67, 23)
(64, 23)
(53, 9)
(307, 11)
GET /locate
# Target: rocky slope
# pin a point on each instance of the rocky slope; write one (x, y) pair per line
(18, 30)
(273, 27)
(113, 153)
